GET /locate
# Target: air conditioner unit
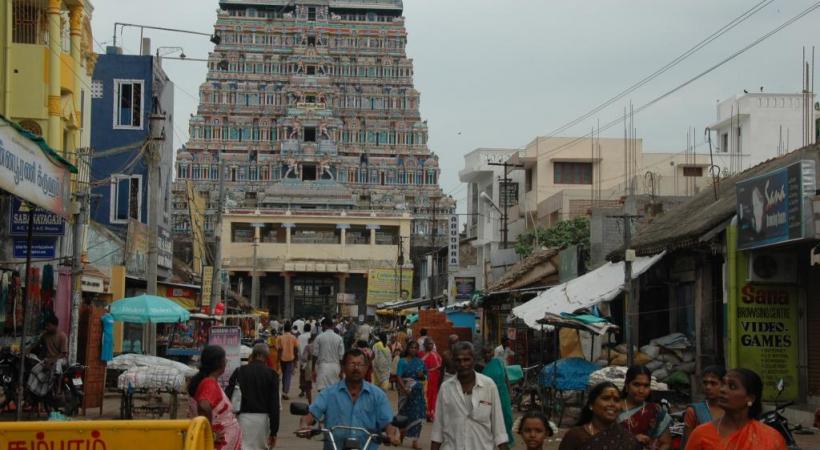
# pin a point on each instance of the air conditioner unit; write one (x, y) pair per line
(766, 267)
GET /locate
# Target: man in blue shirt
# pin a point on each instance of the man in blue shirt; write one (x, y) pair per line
(352, 402)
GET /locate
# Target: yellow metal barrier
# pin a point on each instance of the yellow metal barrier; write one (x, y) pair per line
(108, 435)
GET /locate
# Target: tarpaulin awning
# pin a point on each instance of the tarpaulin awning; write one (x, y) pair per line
(600, 285)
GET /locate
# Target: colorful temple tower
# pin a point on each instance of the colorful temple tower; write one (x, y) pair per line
(309, 107)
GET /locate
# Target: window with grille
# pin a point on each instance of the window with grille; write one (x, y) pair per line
(29, 22)
(128, 104)
(126, 198)
(572, 173)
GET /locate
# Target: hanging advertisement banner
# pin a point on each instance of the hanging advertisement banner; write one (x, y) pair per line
(773, 208)
(230, 339)
(465, 287)
(29, 172)
(207, 283)
(45, 223)
(767, 336)
(383, 285)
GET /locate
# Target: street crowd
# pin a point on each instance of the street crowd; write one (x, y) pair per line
(465, 398)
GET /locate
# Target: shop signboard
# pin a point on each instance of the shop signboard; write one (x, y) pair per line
(383, 285)
(771, 208)
(767, 336)
(40, 248)
(207, 282)
(165, 249)
(230, 339)
(452, 242)
(465, 287)
(45, 223)
(27, 172)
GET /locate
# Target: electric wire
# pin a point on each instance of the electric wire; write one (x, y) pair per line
(709, 70)
(703, 43)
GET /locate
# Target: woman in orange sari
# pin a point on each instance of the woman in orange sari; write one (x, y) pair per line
(739, 428)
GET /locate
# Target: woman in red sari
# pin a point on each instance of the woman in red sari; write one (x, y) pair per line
(738, 428)
(209, 400)
(433, 363)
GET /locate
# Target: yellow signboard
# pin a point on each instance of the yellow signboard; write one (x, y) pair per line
(108, 435)
(207, 281)
(767, 325)
(383, 285)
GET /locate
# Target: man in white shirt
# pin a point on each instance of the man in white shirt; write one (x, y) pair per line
(503, 351)
(304, 341)
(299, 324)
(329, 352)
(468, 411)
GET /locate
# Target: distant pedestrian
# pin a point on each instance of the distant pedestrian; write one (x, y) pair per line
(447, 356)
(288, 350)
(382, 359)
(504, 352)
(308, 358)
(410, 376)
(368, 353)
(329, 352)
(433, 363)
(497, 371)
(304, 340)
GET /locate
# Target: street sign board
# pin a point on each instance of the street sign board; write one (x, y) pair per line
(45, 223)
(40, 248)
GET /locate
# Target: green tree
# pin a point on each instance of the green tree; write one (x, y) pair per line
(561, 235)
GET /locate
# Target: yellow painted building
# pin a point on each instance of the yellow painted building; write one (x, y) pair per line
(48, 57)
(304, 259)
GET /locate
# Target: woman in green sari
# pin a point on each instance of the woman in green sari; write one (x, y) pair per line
(495, 369)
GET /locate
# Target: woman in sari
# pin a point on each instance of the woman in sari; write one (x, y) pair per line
(273, 357)
(494, 368)
(397, 350)
(433, 363)
(368, 354)
(738, 428)
(409, 376)
(598, 428)
(209, 400)
(705, 411)
(382, 359)
(647, 421)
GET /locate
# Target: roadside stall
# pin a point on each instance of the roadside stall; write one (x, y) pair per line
(182, 341)
(148, 378)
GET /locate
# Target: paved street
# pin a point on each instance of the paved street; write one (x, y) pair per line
(289, 424)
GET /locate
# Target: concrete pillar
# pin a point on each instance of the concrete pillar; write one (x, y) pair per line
(76, 21)
(55, 133)
(288, 297)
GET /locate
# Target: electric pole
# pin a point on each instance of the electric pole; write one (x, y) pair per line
(433, 275)
(503, 191)
(254, 274)
(153, 157)
(81, 198)
(629, 297)
(217, 274)
(26, 312)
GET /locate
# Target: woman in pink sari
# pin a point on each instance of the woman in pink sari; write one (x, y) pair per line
(432, 362)
(209, 400)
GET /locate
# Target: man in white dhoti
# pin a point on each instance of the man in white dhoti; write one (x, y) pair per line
(330, 349)
(259, 412)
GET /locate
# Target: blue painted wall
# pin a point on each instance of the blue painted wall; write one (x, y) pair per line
(104, 137)
(462, 319)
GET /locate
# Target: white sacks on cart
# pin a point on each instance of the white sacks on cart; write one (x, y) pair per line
(160, 378)
(130, 360)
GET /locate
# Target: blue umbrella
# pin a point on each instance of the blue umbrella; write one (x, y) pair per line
(148, 309)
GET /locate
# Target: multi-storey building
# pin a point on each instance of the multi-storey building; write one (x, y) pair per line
(310, 106)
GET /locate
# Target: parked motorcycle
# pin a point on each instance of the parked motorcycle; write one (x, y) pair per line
(9, 371)
(73, 393)
(678, 427)
(778, 421)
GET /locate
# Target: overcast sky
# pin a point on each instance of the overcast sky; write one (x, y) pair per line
(497, 73)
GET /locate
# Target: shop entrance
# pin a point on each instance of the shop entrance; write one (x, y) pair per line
(314, 296)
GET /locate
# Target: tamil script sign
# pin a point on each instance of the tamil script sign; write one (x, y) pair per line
(452, 242)
(383, 285)
(27, 172)
(45, 223)
(40, 248)
(767, 325)
(770, 207)
(165, 249)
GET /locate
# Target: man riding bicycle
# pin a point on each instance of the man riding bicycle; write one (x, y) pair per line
(351, 402)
